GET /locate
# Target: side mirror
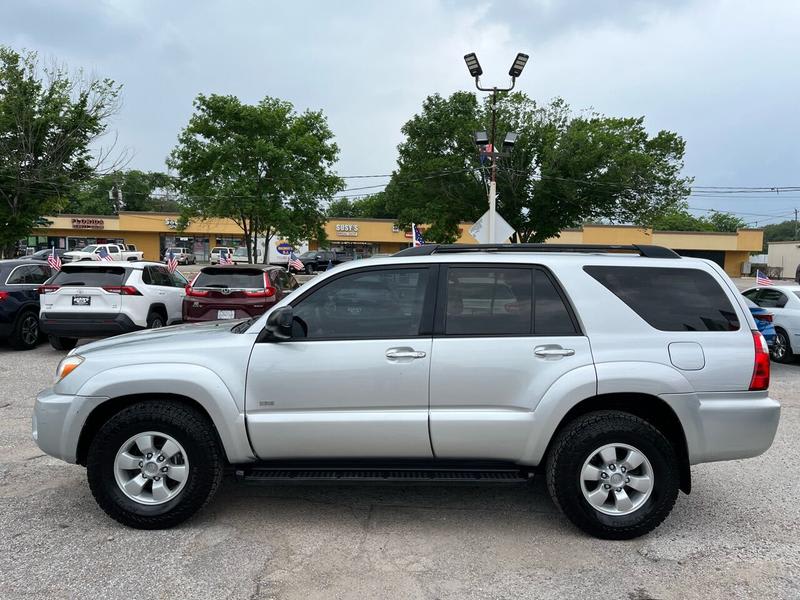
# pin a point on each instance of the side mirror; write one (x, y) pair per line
(279, 325)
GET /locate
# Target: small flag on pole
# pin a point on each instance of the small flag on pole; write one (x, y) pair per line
(104, 255)
(172, 262)
(762, 279)
(224, 258)
(416, 236)
(54, 261)
(295, 263)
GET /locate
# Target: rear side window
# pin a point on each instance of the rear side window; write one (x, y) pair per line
(29, 274)
(90, 276)
(670, 299)
(229, 278)
(771, 299)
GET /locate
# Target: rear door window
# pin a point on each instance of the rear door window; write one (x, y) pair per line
(771, 299)
(90, 276)
(489, 301)
(29, 275)
(231, 279)
(670, 299)
(550, 313)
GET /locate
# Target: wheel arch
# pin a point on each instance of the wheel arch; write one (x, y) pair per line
(648, 407)
(160, 308)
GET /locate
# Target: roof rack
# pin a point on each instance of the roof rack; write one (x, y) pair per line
(640, 249)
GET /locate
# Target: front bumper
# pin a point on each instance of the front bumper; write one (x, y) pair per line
(726, 426)
(84, 325)
(58, 420)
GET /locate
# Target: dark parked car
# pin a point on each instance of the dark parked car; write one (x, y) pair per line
(44, 255)
(318, 260)
(763, 321)
(235, 292)
(19, 301)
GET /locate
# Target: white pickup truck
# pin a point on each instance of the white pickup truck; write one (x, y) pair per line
(96, 251)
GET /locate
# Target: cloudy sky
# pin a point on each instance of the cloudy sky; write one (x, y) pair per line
(725, 74)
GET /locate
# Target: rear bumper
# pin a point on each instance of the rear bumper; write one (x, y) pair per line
(726, 426)
(58, 420)
(78, 325)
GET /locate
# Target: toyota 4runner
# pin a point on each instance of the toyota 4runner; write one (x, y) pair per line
(608, 369)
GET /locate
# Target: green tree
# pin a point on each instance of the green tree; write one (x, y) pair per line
(564, 169)
(48, 120)
(140, 191)
(722, 221)
(679, 218)
(264, 166)
(780, 232)
(369, 207)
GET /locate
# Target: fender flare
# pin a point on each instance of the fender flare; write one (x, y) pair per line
(197, 383)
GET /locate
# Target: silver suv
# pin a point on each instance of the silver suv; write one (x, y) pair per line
(609, 369)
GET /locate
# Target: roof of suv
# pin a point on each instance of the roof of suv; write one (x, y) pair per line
(130, 264)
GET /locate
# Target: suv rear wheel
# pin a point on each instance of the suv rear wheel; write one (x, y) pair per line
(154, 464)
(613, 475)
(155, 320)
(25, 334)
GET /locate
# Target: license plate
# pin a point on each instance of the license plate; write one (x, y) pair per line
(226, 314)
(81, 300)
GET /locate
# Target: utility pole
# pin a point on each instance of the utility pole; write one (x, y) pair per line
(795, 224)
(476, 71)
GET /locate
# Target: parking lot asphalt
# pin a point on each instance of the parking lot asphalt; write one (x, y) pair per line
(736, 536)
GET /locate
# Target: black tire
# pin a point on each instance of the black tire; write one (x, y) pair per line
(190, 428)
(573, 446)
(62, 343)
(155, 320)
(25, 334)
(781, 350)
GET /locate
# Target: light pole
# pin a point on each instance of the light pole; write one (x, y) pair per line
(475, 71)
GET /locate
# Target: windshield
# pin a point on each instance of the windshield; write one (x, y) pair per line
(89, 276)
(241, 251)
(91, 248)
(175, 250)
(230, 278)
(308, 255)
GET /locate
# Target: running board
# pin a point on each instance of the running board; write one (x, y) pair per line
(493, 476)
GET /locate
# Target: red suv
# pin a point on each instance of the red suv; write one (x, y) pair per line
(235, 292)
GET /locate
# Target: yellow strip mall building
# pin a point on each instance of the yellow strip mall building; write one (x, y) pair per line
(152, 233)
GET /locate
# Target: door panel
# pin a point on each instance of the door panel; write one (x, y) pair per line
(505, 335)
(353, 381)
(337, 399)
(484, 391)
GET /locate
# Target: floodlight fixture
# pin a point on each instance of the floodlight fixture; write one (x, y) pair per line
(509, 140)
(473, 65)
(481, 138)
(519, 64)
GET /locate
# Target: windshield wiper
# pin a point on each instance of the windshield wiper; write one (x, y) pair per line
(243, 326)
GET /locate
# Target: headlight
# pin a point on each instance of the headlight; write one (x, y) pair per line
(67, 366)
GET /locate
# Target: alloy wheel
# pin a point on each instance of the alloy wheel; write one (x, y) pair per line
(779, 347)
(29, 330)
(151, 468)
(616, 479)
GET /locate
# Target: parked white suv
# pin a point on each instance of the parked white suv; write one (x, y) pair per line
(94, 299)
(609, 373)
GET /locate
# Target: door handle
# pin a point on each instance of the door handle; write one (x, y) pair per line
(553, 351)
(404, 353)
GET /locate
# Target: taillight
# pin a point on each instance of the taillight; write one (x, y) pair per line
(122, 290)
(267, 292)
(45, 289)
(764, 317)
(3, 296)
(760, 379)
(190, 291)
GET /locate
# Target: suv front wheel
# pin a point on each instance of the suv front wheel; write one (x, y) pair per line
(154, 464)
(613, 475)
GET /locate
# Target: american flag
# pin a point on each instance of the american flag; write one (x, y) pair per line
(295, 263)
(417, 239)
(224, 258)
(762, 279)
(54, 261)
(104, 255)
(172, 262)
